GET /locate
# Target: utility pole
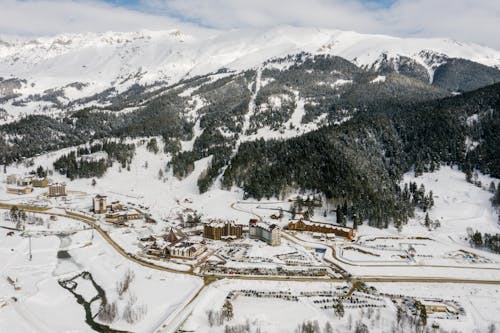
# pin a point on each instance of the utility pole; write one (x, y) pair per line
(31, 256)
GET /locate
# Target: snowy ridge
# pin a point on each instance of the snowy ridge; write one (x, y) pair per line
(120, 59)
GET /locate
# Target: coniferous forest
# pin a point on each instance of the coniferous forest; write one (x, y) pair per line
(369, 137)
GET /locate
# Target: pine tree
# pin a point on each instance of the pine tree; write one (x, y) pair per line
(496, 197)
(427, 222)
(476, 239)
(14, 213)
(340, 216)
(339, 309)
(468, 174)
(227, 310)
(431, 199)
(355, 221)
(492, 187)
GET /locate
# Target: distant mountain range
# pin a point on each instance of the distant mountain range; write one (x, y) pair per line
(73, 71)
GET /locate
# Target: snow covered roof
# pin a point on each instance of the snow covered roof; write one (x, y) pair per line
(266, 225)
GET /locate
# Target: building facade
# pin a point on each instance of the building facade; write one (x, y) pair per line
(19, 190)
(266, 232)
(40, 182)
(99, 206)
(218, 230)
(57, 190)
(11, 179)
(185, 250)
(326, 228)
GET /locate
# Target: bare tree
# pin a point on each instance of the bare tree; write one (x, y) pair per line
(108, 312)
(133, 313)
(123, 285)
(328, 328)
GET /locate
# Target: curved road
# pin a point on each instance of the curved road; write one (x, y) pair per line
(174, 323)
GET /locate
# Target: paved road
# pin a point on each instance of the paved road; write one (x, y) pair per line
(175, 322)
(366, 278)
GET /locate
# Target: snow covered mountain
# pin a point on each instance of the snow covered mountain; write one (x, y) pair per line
(44, 75)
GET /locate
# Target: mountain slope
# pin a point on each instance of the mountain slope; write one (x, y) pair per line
(45, 75)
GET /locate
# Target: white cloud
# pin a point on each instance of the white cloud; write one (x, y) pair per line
(464, 20)
(49, 17)
(467, 20)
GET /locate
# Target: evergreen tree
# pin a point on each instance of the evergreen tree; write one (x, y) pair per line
(476, 239)
(422, 313)
(492, 187)
(496, 197)
(339, 309)
(14, 213)
(152, 146)
(40, 172)
(227, 310)
(340, 216)
(431, 199)
(468, 173)
(427, 222)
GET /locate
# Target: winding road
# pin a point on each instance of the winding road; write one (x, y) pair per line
(174, 322)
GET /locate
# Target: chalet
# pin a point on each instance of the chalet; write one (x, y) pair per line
(185, 249)
(25, 181)
(326, 228)
(40, 182)
(116, 212)
(218, 230)
(174, 244)
(11, 179)
(19, 190)
(155, 250)
(266, 232)
(123, 215)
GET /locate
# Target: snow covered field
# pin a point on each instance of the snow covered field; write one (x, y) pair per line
(270, 314)
(42, 305)
(441, 253)
(479, 301)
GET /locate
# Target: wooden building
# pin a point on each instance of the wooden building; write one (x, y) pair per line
(40, 182)
(11, 179)
(19, 190)
(218, 230)
(325, 228)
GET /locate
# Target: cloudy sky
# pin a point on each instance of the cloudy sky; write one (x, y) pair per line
(465, 20)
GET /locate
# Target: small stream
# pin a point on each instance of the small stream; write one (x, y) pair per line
(66, 264)
(72, 284)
